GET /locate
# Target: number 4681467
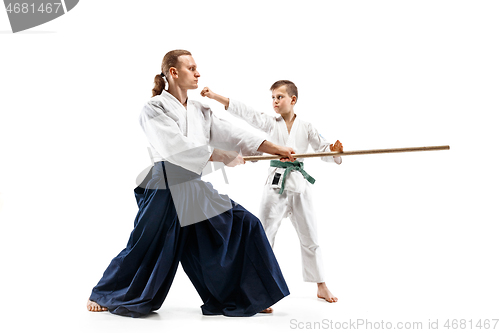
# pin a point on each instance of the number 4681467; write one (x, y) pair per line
(463, 324)
(25, 8)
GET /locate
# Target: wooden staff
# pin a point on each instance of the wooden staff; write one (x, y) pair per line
(352, 152)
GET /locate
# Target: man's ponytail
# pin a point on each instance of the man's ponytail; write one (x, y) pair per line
(159, 85)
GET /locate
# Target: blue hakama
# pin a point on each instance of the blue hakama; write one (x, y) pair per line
(227, 257)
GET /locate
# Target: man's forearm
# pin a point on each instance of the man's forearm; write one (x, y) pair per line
(217, 155)
(269, 148)
(274, 149)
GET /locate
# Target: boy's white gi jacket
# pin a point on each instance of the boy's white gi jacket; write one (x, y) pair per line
(302, 134)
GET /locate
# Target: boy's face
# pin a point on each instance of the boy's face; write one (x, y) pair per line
(282, 102)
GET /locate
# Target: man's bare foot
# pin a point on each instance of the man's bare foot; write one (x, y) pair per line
(325, 294)
(268, 310)
(94, 307)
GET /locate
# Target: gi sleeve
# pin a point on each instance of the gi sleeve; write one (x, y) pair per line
(167, 139)
(320, 145)
(226, 136)
(259, 120)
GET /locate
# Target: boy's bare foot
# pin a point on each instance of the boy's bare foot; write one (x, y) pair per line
(94, 307)
(325, 294)
(268, 310)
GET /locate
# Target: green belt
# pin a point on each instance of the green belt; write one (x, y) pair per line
(289, 166)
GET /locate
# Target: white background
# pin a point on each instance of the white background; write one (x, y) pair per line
(406, 237)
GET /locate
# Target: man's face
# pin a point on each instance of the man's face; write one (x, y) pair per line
(187, 72)
(282, 102)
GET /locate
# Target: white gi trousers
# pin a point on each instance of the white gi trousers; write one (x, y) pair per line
(298, 207)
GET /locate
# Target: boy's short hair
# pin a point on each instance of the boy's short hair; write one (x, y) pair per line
(291, 88)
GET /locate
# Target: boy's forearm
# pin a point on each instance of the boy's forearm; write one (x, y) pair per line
(221, 99)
